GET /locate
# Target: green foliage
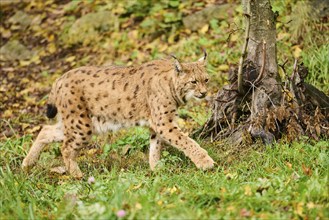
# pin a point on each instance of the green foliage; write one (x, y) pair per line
(302, 34)
(283, 181)
(317, 61)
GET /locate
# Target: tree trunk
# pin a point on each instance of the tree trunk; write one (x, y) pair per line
(252, 105)
(261, 51)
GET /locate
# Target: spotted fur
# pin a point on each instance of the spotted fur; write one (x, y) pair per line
(90, 100)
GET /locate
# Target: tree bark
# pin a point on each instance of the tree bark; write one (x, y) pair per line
(262, 52)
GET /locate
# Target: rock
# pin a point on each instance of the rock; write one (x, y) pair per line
(14, 50)
(21, 18)
(199, 19)
(87, 28)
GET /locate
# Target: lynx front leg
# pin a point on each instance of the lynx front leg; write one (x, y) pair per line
(48, 134)
(168, 131)
(155, 149)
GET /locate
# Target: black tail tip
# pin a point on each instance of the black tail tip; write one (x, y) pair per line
(51, 111)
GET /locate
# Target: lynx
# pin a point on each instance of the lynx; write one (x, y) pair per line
(92, 100)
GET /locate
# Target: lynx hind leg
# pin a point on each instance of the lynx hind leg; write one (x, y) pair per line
(77, 135)
(70, 154)
(155, 150)
(70, 151)
(48, 134)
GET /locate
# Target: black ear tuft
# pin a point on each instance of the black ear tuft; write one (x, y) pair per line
(205, 54)
(204, 58)
(51, 111)
(178, 66)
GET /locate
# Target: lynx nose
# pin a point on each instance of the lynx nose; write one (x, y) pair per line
(203, 94)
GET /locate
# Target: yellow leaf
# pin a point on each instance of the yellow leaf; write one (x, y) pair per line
(119, 9)
(8, 113)
(173, 189)
(91, 151)
(137, 186)
(299, 209)
(138, 206)
(133, 35)
(36, 59)
(289, 165)
(223, 190)
(25, 125)
(282, 35)
(310, 205)
(230, 208)
(51, 38)
(34, 129)
(263, 216)
(223, 67)
(24, 62)
(234, 37)
(70, 59)
(51, 48)
(247, 190)
(296, 51)
(204, 29)
(64, 177)
(230, 176)
(5, 33)
(163, 47)
(171, 38)
(160, 202)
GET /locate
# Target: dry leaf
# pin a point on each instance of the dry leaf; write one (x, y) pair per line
(247, 190)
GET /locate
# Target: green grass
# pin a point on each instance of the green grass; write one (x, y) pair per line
(285, 181)
(316, 59)
(279, 182)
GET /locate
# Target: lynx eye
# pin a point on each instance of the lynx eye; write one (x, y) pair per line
(206, 80)
(194, 82)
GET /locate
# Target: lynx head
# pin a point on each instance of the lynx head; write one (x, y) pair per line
(192, 79)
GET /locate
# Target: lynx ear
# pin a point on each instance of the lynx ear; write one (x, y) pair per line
(178, 66)
(203, 59)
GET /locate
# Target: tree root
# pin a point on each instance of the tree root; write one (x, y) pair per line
(302, 111)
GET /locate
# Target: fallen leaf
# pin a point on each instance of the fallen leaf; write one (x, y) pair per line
(5, 33)
(307, 171)
(247, 190)
(223, 67)
(245, 213)
(137, 186)
(204, 29)
(230, 208)
(296, 51)
(310, 205)
(70, 59)
(299, 209)
(138, 206)
(51, 48)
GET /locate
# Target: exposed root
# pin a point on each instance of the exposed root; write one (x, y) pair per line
(302, 111)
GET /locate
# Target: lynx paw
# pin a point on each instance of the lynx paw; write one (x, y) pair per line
(204, 162)
(76, 173)
(27, 164)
